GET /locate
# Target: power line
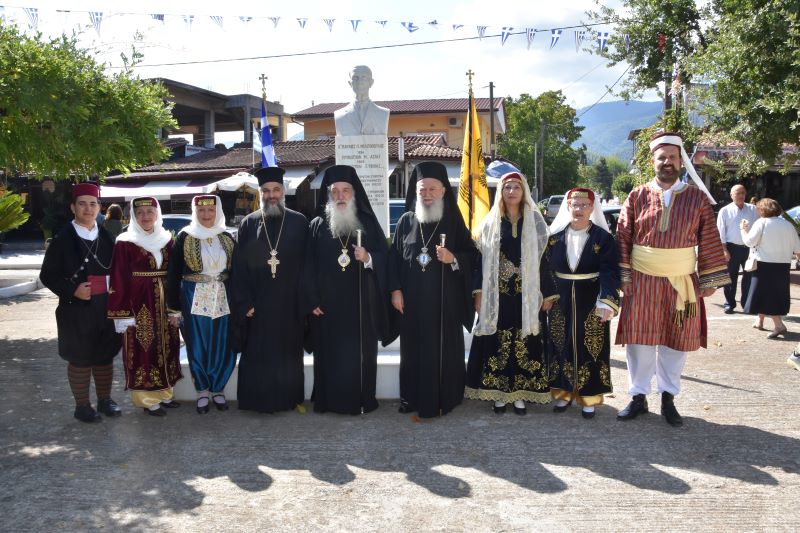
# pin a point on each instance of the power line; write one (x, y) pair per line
(359, 49)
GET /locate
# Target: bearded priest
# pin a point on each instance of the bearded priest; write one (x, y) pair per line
(345, 280)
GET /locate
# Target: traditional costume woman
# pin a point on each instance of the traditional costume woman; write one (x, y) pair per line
(198, 295)
(137, 303)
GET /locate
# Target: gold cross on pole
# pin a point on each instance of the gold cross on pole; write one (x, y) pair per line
(263, 79)
(469, 75)
(273, 262)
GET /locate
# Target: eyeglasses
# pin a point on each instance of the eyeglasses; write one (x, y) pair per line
(581, 206)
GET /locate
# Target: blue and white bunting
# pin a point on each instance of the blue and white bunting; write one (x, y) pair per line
(218, 20)
(579, 36)
(530, 33)
(245, 20)
(158, 17)
(505, 34)
(457, 27)
(410, 26)
(329, 23)
(354, 24)
(302, 23)
(267, 150)
(97, 18)
(188, 19)
(482, 31)
(382, 22)
(275, 21)
(602, 39)
(627, 38)
(555, 35)
(434, 23)
(33, 17)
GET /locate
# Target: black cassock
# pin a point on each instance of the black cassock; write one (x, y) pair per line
(85, 336)
(271, 365)
(345, 367)
(429, 384)
(579, 341)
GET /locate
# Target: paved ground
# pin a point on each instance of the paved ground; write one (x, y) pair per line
(735, 465)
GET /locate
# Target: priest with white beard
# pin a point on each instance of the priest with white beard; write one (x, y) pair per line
(430, 272)
(345, 282)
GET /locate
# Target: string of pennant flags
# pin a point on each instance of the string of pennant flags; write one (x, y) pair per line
(32, 18)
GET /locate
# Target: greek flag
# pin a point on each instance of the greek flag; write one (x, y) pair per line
(267, 150)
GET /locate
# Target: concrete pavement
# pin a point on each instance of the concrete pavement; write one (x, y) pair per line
(734, 465)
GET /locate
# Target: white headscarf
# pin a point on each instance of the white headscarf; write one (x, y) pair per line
(564, 217)
(152, 242)
(534, 239)
(199, 231)
(687, 163)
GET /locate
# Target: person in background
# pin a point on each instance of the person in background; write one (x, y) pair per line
(728, 222)
(774, 241)
(113, 221)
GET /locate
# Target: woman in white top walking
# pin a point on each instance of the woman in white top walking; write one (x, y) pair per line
(774, 242)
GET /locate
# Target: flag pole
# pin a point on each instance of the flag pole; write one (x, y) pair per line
(469, 158)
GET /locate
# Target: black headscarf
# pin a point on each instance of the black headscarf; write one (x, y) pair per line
(347, 174)
(430, 169)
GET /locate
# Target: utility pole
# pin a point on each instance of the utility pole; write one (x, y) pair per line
(540, 174)
(491, 119)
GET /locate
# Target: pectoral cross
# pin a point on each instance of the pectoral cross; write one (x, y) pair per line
(273, 262)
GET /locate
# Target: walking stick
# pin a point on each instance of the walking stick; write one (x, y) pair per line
(442, 238)
(360, 331)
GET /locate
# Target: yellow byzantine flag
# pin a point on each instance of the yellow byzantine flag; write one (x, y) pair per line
(473, 193)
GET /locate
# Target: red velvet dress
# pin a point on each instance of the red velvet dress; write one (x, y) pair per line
(151, 349)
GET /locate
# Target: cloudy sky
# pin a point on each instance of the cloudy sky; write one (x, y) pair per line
(400, 72)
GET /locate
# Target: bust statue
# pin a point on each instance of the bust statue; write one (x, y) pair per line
(363, 116)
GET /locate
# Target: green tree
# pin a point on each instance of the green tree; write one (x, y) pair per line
(11, 213)
(623, 185)
(62, 116)
(746, 51)
(526, 118)
(603, 178)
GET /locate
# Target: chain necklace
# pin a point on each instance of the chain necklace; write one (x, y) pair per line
(343, 258)
(273, 261)
(93, 253)
(424, 258)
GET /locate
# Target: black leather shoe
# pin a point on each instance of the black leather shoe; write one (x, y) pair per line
(172, 404)
(156, 412)
(561, 408)
(588, 415)
(499, 409)
(405, 408)
(220, 406)
(668, 410)
(728, 310)
(202, 409)
(86, 413)
(520, 411)
(638, 406)
(109, 407)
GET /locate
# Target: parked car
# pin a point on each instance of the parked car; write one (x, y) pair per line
(611, 213)
(550, 206)
(397, 206)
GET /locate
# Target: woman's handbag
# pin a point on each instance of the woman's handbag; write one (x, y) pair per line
(752, 263)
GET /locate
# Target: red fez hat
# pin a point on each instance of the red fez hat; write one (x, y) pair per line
(145, 201)
(511, 176)
(205, 199)
(85, 189)
(580, 192)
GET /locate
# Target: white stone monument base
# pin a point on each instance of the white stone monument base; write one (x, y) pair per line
(387, 386)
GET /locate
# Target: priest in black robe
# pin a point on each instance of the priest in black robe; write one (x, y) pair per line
(432, 291)
(76, 267)
(346, 283)
(268, 320)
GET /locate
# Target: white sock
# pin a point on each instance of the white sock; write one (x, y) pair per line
(588, 409)
(219, 398)
(519, 404)
(499, 404)
(562, 403)
(155, 407)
